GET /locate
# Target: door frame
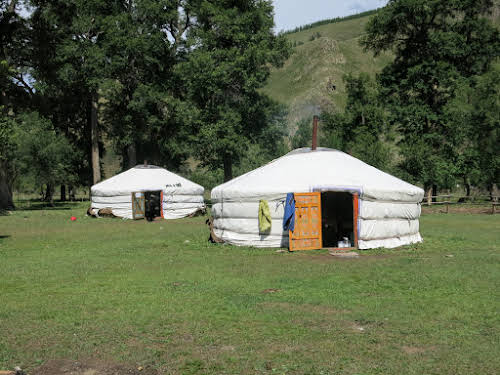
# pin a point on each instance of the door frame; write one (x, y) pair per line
(138, 200)
(355, 192)
(161, 204)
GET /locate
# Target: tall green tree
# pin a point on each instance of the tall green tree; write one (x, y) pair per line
(142, 109)
(303, 135)
(362, 128)
(231, 50)
(16, 94)
(436, 43)
(474, 114)
(7, 169)
(71, 59)
(42, 154)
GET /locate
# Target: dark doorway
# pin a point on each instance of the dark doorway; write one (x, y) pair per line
(153, 204)
(337, 218)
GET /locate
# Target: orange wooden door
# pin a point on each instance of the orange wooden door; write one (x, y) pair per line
(307, 231)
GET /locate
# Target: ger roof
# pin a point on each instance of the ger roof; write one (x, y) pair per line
(145, 178)
(304, 170)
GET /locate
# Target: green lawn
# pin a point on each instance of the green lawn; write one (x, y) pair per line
(158, 295)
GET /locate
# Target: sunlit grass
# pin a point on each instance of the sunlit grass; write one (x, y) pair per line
(159, 294)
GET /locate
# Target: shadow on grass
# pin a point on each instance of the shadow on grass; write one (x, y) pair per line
(4, 237)
(29, 205)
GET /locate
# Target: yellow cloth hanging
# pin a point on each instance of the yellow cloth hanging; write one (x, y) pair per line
(264, 217)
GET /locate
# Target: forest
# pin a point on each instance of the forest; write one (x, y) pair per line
(179, 83)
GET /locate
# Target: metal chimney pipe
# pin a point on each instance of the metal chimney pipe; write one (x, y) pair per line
(145, 163)
(315, 133)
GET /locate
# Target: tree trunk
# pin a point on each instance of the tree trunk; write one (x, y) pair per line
(434, 192)
(228, 168)
(132, 155)
(63, 193)
(94, 136)
(6, 202)
(428, 192)
(49, 195)
(71, 193)
(467, 186)
(494, 193)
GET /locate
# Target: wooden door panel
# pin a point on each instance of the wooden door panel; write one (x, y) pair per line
(138, 205)
(307, 231)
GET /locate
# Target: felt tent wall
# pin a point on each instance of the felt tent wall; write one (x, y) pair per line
(389, 208)
(181, 197)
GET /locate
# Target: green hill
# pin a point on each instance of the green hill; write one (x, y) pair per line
(322, 55)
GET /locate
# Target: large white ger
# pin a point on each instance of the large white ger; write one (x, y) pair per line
(340, 201)
(147, 187)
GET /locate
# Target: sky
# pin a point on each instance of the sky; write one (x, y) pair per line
(292, 13)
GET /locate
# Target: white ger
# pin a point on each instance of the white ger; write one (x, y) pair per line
(348, 204)
(129, 194)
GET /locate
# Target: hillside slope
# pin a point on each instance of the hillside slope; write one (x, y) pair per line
(306, 81)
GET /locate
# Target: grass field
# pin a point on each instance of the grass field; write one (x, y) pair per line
(122, 295)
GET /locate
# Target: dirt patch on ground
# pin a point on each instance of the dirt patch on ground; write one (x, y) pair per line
(88, 367)
(327, 258)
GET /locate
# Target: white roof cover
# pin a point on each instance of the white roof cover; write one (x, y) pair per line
(303, 170)
(146, 178)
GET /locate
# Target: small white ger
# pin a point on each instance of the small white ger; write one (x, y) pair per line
(127, 193)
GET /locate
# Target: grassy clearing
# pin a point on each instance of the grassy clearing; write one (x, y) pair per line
(159, 295)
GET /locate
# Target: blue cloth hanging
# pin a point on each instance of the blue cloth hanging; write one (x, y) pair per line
(289, 218)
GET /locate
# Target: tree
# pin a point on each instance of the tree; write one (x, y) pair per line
(15, 93)
(142, 110)
(486, 116)
(436, 44)
(70, 59)
(7, 172)
(232, 47)
(42, 154)
(303, 135)
(269, 143)
(362, 128)
(474, 115)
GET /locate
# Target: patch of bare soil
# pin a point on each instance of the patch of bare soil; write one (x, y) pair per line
(90, 367)
(328, 258)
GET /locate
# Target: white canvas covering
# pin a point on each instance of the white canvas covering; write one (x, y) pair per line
(389, 208)
(181, 197)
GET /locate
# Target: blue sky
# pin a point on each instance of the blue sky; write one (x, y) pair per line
(292, 13)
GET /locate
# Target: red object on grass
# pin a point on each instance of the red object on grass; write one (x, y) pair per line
(73, 218)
